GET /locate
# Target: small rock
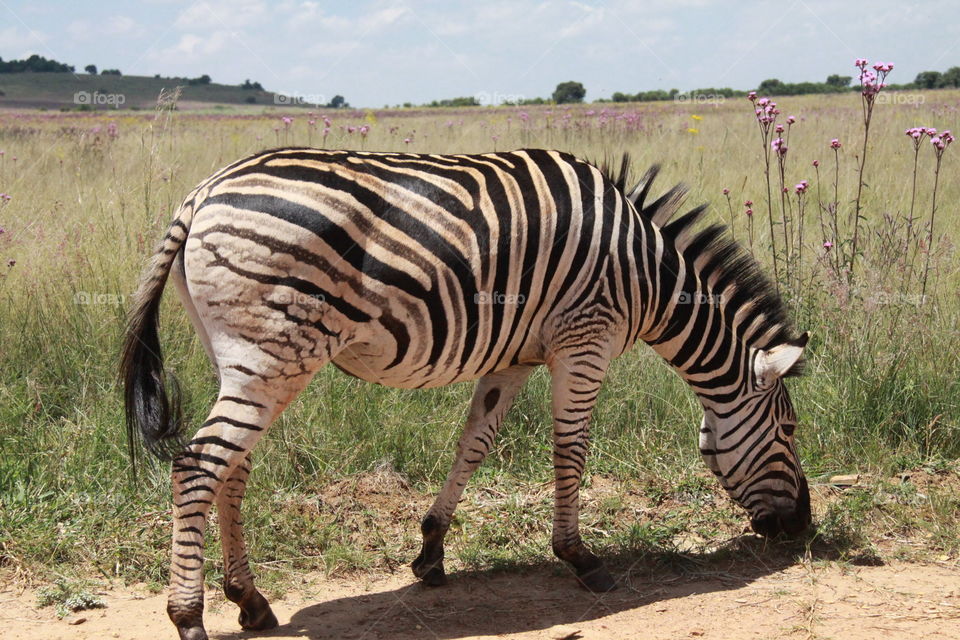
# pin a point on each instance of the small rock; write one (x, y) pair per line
(77, 621)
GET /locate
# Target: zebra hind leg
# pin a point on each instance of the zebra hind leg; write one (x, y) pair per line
(255, 612)
(576, 380)
(213, 468)
(492, 397)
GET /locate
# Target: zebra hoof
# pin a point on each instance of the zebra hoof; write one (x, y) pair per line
(256, 614)
(430, 573)
(192, 633)
(435, 577)
(597, 580)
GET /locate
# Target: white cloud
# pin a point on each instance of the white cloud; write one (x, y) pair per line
(84, 30)
(24, 41)
(222, 14)
(192, 47)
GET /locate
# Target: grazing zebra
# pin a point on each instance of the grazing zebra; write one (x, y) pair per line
(417, 271)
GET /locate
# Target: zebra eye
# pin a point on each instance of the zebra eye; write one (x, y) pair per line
(788, 429)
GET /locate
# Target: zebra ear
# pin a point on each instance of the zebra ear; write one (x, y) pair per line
(780, 361)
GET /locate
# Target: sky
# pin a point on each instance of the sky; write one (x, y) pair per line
(387, 52)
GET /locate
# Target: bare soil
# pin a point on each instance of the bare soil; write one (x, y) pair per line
(805, 600)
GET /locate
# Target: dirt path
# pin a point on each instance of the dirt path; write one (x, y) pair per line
(801, 601)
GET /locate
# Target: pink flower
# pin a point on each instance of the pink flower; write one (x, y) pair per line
(726, 191)
(779, 146)
(827, 245)
(752, 96)
(749, 212)
(801, 187)
(816, 163)
(779, 128)
(930, 131)
(364, 130)
(791, 119)
(860, 62)
(835, 143)
(748, 203)
(763, 102)
(407, 140)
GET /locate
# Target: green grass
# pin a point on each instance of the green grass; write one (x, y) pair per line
(880, 395)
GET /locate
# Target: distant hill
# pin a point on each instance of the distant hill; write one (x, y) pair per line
(71, 91)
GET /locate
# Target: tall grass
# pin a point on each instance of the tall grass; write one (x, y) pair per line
(88, 203)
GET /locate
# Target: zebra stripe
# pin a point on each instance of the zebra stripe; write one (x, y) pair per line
(415, 271)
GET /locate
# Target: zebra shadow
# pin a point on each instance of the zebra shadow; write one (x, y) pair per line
(518, 598)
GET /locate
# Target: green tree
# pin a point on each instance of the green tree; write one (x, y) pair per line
(836, 80)
(770, 86)
(338, 102)
(91, 69)
(950, 77)
(928, 79)
(568, 92)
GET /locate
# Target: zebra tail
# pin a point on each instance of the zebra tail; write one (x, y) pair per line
(152, 396)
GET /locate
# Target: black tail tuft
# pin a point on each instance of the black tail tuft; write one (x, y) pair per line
(150, 411)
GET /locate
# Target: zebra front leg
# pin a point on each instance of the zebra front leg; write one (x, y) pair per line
(492, 397)
(576, 380)
(255, 612)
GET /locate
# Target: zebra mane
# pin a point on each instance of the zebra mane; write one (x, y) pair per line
(719, 258)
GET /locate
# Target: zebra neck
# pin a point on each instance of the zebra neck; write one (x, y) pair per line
(695, 330)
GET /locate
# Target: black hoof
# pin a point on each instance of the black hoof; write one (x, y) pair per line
(430, 573)
(256, 614)
(261, 621)
(597, 580)
(192, 633)
(435, 577)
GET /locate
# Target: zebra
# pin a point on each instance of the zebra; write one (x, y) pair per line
(423, 270)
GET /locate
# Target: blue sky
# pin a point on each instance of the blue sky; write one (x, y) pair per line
(377, 52)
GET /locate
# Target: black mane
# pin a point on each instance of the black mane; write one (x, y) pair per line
(726, 260)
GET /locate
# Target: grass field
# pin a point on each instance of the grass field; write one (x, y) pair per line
(90, 194)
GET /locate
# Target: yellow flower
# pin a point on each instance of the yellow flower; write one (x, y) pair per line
(697, 117)
(691, 130)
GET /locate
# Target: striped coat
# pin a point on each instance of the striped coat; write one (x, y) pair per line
(418, 271)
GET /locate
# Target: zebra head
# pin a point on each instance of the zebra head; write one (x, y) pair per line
(748, 443)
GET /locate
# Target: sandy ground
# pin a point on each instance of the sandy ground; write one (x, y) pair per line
(808, 600)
